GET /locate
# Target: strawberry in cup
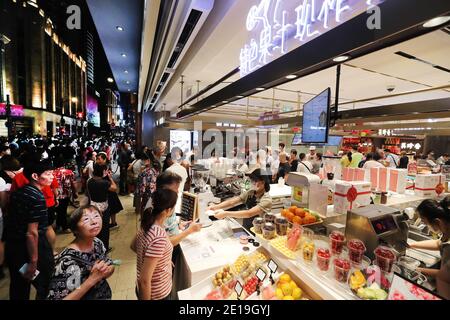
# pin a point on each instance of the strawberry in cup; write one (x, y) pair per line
(356, 250)
(323, 259)
(341, 269)
(337, 241)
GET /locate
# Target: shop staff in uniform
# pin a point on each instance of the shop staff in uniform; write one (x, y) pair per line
(257, 200)
(437, 216)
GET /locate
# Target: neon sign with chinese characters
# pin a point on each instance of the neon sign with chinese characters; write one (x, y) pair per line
(278, 26)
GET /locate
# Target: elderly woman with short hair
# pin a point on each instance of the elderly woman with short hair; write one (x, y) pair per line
(83, 267)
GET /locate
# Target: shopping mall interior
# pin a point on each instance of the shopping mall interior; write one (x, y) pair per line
(252, 149)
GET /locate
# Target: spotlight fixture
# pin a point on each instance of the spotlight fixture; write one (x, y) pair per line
(124, 55)
(260, 89)
(119, 28)
(291, 76)
(436, 21)
(110, 80)
(341, 58)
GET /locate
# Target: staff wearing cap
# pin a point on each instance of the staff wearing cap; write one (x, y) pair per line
(311, 156)
(257, 200)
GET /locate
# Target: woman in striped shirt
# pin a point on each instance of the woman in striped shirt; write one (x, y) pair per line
(154, 249)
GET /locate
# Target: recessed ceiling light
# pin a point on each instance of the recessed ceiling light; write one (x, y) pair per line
(436, 21)
(240, 97)
(126, 71)
(110, 80)
(225, 101)
(260, 89)
(341, 58)
(124, 55)
(119, 28)
(128, 82)
(291, 76)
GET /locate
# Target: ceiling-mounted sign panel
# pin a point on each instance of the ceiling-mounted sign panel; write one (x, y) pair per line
(276, 27)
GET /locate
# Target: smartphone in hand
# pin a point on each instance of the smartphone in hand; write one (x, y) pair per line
(24, 268)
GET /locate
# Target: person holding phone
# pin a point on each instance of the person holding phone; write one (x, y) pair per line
(83, 267)
(26, 240)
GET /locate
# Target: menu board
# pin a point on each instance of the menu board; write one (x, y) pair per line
(316, 118)
(189, 207)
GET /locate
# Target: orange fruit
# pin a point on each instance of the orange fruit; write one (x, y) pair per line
(292, 209)
(284, 212)
(297, 220)
(300, 213)
(290, 216)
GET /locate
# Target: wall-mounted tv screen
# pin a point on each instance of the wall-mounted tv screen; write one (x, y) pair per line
(316, 118)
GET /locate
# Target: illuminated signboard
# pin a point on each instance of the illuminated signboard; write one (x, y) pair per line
(92, 114)
(278, 26)
(16, 110)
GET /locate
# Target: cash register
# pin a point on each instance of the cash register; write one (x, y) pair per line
(375, 225)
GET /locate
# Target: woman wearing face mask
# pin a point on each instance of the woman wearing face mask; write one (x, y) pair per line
(257, 200)
(154, 249)
(83, 267)
(437, 216)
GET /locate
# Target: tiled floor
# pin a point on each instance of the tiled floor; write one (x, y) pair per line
(122, 282)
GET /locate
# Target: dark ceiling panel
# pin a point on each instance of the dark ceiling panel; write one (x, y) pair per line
(107, 15)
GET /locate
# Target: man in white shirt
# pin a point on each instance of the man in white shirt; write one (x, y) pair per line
(391, 158)
(176, 167)
(372, 161)
(304, 166)
(311, 157)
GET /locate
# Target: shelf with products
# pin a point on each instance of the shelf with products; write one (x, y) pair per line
(365, 144)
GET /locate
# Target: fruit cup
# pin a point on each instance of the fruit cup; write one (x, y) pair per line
(308, 245)
(356, 249)
(258, 223)
(341, 269)
(281, 225)
(385, 258)
(337, 240)
(323, 259)
(269, 217)
(293, 237)
(269, 231)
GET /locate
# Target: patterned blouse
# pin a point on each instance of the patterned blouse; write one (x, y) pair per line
(72, 268)
(147, 183)
(65, 177)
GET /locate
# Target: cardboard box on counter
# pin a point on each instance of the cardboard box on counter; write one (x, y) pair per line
(349, 195)
(353, 174)
(397, 180)
(429, 185)
(379, 179)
